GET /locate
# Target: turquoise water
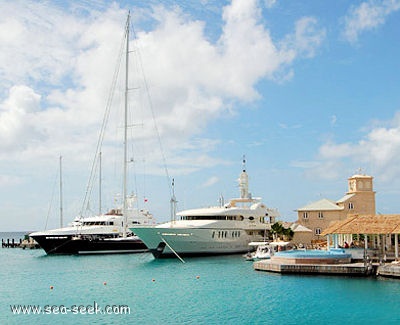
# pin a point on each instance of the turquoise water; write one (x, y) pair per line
(212, 290)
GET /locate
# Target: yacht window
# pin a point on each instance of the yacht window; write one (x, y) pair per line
(251, 218)
(223, 217)
(213, 234)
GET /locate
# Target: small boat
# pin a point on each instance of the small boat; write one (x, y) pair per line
(263, 251)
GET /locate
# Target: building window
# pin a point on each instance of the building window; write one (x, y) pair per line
(318, 231)
(351, 206)
(320, 215)
(305, 215)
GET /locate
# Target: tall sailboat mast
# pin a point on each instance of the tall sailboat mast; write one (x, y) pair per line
(126, 126)
(100, 185)
(61, 195)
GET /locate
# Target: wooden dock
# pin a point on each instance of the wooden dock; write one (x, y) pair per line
(10, 243)
(26, 243)
(351, 269)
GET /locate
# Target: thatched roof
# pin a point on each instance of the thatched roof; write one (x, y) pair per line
(366, 224)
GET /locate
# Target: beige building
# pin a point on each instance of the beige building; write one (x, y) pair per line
(359, 199)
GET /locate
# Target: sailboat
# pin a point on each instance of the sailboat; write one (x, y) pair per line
(102, 233)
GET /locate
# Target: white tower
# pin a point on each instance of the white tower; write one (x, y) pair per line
(244, 182)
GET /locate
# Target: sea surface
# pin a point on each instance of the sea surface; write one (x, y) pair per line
(210, 290)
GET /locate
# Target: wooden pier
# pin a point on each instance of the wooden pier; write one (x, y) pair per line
(350, 269)
(12, 243)
(388, 270)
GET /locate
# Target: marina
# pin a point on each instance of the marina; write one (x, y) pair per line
(126, 92)
(201, 291)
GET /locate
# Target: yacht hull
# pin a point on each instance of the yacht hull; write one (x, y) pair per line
(168, 242)
(68, 244)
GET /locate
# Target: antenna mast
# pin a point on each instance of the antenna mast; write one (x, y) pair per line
(173, 202)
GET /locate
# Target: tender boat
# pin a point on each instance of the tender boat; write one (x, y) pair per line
(226, 229)
(263, 251)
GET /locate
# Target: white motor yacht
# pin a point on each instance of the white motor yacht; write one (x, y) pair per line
(226, 229)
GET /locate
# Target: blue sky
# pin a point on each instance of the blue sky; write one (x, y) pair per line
(307, 90)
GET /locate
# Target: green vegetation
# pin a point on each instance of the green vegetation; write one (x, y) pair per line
(278, 231)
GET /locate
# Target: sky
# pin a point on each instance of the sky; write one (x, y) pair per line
(307, 90)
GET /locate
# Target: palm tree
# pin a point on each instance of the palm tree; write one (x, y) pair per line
(278, 229)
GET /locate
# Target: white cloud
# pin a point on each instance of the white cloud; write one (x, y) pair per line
(333, 120)
(17, 120)
(378, 152)
(38, 44)
(7, 180)
(270, 3)
(211, 181)
(307, 37)
(367, 16)
(68, 67)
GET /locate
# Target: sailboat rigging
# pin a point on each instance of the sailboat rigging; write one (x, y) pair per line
(103, 233)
